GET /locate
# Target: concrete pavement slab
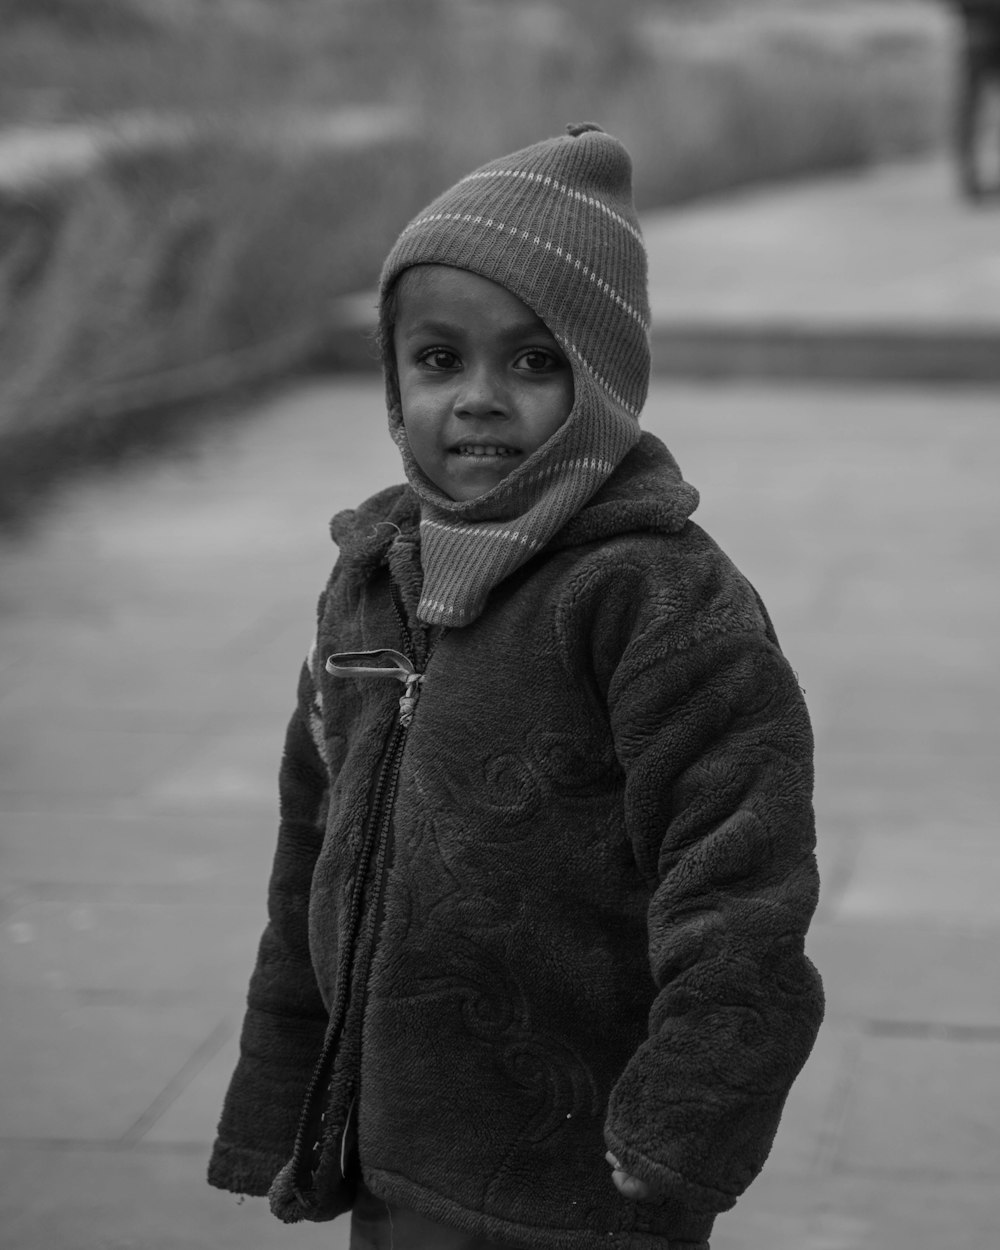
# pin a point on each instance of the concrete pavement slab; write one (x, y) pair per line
(882, 782)
(902, 1213)
(143, 1199)
(859, 1213)
(192, 1117)
(116, 699)
(88, 1071)
(93, 767)
(923, 1105)
(235, 771)
(923, 872)
(97, 857)
(132, 952)
(935, 978)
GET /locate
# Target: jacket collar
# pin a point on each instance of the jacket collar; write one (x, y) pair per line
(646, 494)
(365, 534)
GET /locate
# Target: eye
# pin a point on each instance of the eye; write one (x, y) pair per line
(537, 360)
(439, 358)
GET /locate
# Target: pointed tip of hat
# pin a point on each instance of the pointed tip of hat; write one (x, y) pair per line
(580, 128)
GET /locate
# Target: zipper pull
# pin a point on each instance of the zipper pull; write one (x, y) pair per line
(345, 664)
(408, 702)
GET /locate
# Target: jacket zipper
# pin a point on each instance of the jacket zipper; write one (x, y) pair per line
(309, 1135)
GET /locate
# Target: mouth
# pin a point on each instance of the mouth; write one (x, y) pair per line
(490, 451)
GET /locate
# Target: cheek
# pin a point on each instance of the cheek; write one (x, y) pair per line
(552, 410)
(420, 404)
(418, 421)
(412, 410)
(421, 435)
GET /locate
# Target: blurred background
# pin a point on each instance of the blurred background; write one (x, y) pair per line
(184, 179)
(195, 199)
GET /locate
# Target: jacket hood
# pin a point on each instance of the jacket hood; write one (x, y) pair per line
(647, 493)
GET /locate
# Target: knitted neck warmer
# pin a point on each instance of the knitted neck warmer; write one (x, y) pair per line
(555, 225)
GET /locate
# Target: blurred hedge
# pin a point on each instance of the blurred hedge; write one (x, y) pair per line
(180, 252)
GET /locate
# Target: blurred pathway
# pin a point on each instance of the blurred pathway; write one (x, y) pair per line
(884, 273)
(151, 628)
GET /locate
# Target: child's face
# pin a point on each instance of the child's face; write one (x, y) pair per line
(482, 381)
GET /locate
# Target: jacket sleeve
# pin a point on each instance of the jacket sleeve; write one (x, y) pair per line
(285, 1018)
(717, 749)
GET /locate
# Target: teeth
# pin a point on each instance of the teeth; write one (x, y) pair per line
(482, 449)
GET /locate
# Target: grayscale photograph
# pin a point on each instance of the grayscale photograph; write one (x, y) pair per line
(499, 617)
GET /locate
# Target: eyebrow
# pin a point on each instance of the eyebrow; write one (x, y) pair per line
(448, 329)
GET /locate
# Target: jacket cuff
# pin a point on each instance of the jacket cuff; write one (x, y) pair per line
(669, 1187)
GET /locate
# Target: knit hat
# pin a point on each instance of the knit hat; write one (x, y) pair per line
(555, 225)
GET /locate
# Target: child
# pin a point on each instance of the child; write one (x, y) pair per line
(538, 908)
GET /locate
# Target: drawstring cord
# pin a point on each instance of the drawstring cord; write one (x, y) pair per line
(345, 664)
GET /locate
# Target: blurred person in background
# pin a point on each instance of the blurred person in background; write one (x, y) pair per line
(534, 972)
(979, 72)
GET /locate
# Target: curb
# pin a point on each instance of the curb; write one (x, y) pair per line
(828, 352)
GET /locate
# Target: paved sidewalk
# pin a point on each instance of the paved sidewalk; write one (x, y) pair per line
(882, 273)
(151, 628)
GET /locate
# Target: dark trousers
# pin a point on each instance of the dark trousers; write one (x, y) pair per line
(380, 1225)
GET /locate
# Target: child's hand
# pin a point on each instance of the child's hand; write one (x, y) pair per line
(628, 1186)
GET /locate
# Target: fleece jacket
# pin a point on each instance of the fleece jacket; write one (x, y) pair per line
(562, 911)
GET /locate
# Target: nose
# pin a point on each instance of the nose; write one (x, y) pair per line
(481, 394)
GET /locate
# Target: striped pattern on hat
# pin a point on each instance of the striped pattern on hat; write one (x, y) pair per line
(555, 225)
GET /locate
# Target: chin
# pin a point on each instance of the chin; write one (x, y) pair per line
(464, 494)
(469, 486)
